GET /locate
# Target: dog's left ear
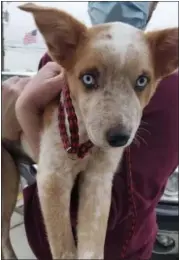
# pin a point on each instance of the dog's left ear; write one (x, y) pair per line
(61, 31)
(163, 45)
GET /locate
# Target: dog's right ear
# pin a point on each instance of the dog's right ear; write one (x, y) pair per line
(62, 33)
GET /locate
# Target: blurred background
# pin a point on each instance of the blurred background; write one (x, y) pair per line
(23, 45)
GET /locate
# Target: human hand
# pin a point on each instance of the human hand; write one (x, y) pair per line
(11, 90)
(42, 89)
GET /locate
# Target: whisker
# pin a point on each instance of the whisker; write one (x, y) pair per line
(142, 139)
(136, 141)
(143, 122)
(147, 131)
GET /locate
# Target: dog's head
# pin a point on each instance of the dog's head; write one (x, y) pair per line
(112, 70)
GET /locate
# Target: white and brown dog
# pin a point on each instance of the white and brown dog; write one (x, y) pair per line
(112, 71)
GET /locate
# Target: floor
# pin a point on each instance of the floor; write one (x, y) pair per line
(18, 238)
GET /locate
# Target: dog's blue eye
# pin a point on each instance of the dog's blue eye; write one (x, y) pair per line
(88, 80)
(141, 83)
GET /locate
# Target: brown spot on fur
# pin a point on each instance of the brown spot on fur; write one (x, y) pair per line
(98, 30)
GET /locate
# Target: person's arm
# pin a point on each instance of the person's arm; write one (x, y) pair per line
(11, 90)
(37, 94)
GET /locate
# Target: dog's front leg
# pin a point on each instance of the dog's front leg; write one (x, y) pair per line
(54, 191)
(55, 179)
(95, 200)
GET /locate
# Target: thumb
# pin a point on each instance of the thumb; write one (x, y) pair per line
(53, 88)
(58, 81)
(59, 77)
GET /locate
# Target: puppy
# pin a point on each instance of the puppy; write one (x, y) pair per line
(112, 71)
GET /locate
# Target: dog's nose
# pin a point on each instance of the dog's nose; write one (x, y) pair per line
(117, 136)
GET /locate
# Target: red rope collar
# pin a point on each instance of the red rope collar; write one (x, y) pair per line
(72, 146)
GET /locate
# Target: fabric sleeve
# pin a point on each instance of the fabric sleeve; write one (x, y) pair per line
(155, 158)
(44, 60)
